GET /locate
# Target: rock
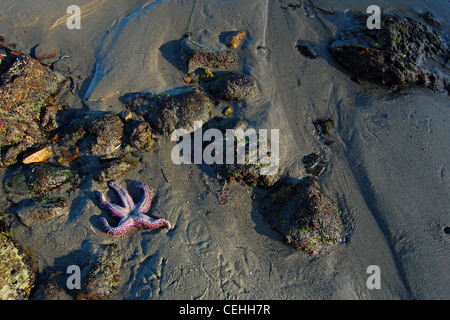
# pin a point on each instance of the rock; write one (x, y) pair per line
(233, 86)
(234, 40)
(32, 211)
(403, 51)
(322, 128)
(196, 55)
(251, 172)
(39, 156)
(26, 89)
(115, 168)
(141, 137)
(307, 50)
(106, 135)
(16, 274)
(314, 164)
(178, 108)
(227, 111)
(103, 276)
(38, 178)
(306, 216)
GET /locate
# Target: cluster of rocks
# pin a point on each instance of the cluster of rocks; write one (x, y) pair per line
(48, 147)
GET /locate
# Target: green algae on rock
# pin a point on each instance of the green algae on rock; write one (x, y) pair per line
(305, 215)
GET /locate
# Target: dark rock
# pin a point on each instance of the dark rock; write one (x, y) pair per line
(115, 168)
(322, 128)
(314, 164)
(106, 133)
(26, 90)
(177, 108)
(306, 216)
(196, 56)
(141, 137)
(33, 211)
(232, 86)
(307, 50)
(254, 173)
(103, 276)
(38, 178)
(403, 51)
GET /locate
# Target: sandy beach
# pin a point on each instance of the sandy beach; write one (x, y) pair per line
(386, 170)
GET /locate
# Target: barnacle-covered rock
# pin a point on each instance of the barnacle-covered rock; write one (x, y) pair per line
(403, 51)
(106, 135)
(196, 55)
(233, 86)
(177, 108)
(26, 90)
(305, 215)
(16, 274)
(103, 277)
(141, 137)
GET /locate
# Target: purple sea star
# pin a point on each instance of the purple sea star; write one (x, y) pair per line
(131, 215)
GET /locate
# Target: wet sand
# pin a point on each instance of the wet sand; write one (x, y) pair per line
(387, 168)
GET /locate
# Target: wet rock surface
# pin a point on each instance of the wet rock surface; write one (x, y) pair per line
(305, 215)
(27, 91)
(178, 108)
(403, 51)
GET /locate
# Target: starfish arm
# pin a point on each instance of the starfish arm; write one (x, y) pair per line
(152, 223)
(144, 205)
(124, 196)
(123, 227)
(115, 210)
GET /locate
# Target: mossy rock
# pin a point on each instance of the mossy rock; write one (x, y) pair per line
(26, 89)
(16, 275)
(103, 277)
(305, 215)
(403, 52)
